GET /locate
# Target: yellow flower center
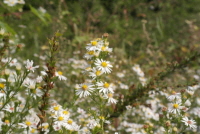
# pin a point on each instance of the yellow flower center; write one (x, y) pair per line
(84, 87)
(82, 119)
(2, 85)
(7, 121)
(39, 87)
(103, 48)
(88, 68)
(60, 118)
(69, 121)
(28, 123)
(91, 52)
(175, 106)
(173, 92)
(110, 95)
(65, 112)
(104, 64)
(60, 73)
(101, 117)
(94, 43)
(106, 85)
(56, 108)
(46, 126)
(33, 130)
(98, 73)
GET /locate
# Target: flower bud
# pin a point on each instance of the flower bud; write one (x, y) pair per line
(7, 71)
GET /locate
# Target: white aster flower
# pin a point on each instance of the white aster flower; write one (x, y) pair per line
(120, 75)
(105, 87)
(60, 76)
(129, 107)
(39, 79)
(193, 88)
(174, 96)
(29, 83)
(103, 65)
(123, 86)
(143, 80)
(69, 125)
(94, 45)
(30, 122)
(41, 9)
(190, 123)
(175, 108)
(95, 73)
(29, 66)
(13, 62)
(45, 127)
(36, 92)
(65, 112)
(91, 54)
(104, 48)
(6, 122)
(11, 2)
(10, 108)
(43, 73)
(138, 70)
(2, 80)
(110, 98)
(60, 119)
(21, 2)
(31, 131)
(2, 31)
(56, 108)
(92, 123)
(84, 89)
(57, 127)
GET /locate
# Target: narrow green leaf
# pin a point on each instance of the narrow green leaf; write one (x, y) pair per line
(38, 14)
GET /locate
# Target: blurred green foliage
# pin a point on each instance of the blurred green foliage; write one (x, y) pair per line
(80, 20)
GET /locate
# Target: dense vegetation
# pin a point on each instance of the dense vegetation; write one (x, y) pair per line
(147, 56)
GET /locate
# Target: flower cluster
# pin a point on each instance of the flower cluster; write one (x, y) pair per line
(61, 119)
(177, 108)
(13, 2)
(97, 50)
(140, 74)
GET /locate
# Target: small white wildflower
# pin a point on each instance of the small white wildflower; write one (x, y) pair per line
(110, 98)
(103, 65)
(84, 89)
(174, 96)
(29, 66)
(175, 108)
(94, 45)
(56, 108)
(21, 2)
(11, 2)
(2, 31)
(105, 87)
(60, 76)
(190, 123)
(95, 73)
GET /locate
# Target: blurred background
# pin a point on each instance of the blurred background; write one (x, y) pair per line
(151, 33)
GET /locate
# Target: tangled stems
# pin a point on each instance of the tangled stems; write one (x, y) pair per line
(140, 91)
(48, 79)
